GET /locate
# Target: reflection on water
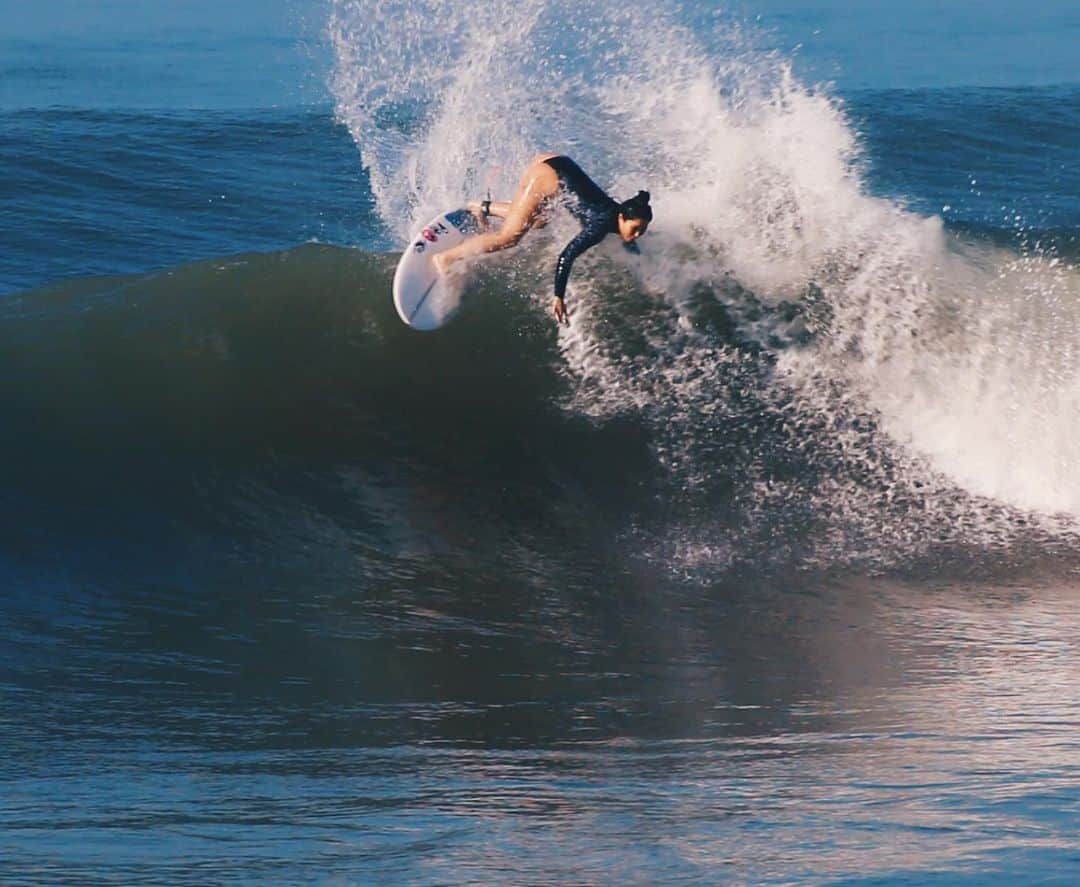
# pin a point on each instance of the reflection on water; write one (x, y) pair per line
(439, 727)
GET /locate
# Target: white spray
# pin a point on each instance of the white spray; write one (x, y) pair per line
(964, 355)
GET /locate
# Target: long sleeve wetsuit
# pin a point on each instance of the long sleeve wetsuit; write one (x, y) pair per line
(587, 202)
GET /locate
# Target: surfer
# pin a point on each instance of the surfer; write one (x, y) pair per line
(552, 178)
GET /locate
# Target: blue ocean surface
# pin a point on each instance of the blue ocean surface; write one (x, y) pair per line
(761, 571)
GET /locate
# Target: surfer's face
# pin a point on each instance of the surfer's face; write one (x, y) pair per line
(631, 229)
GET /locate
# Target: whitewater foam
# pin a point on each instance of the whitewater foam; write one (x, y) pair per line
(884, 363)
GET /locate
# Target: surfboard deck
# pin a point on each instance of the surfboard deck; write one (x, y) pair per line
(424, 299)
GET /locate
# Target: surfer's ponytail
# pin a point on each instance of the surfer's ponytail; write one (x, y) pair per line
(637, 207)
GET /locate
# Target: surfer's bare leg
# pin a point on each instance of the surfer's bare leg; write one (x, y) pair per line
(487, 210)
(537, 185)
(499, 209)
(495, 209)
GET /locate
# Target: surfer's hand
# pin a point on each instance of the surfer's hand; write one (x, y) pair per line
(559, 310)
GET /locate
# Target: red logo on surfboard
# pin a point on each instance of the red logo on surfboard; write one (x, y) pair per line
(429, 234)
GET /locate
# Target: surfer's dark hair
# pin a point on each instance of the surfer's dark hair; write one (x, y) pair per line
(637, 207)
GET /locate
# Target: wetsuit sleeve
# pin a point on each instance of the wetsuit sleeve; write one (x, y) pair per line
(587, 239)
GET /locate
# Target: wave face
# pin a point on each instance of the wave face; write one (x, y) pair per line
(277, 402)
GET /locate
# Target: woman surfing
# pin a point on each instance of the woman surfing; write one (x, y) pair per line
(551, 179)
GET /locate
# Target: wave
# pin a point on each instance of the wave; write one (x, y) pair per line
(797, 373)
(271, 394)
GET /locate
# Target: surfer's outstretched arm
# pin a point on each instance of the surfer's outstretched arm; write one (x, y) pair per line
(588, 238)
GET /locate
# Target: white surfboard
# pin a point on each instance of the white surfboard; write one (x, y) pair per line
(424, 299)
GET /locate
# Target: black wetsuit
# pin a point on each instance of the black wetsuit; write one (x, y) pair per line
(587, 202)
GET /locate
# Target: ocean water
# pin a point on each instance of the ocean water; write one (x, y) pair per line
(765, 570)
